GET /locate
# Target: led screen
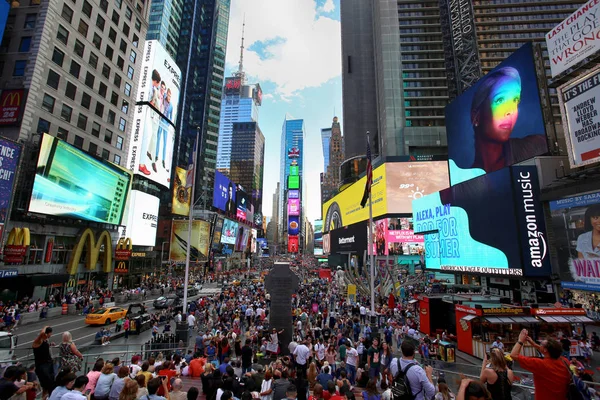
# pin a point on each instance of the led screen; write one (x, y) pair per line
(10, 154)
(293, 182)
(293, 243)
(497, 122)
(242, 205)
(229, 232)
(493, 224)
(293, 194)
(293, 207)
(198, 245)
(142, 218)
(395, 236)
(216, 239)
(293, 170)
(293, 225)
(576, 227)
(224, 194)
(70, 183)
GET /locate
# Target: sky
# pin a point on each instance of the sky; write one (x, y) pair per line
(293, 49)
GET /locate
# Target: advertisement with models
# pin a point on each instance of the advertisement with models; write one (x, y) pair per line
(498, 121)
(160, 81)
(151, 146)
(395, 237)
(70, 183)
(199, 242)
(224, 194)
(576, 225)
(395, 186)
(229, 232)
(462, 235)
(142, 218)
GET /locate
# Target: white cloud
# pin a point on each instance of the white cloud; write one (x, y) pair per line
(328, 6)
(301, 49)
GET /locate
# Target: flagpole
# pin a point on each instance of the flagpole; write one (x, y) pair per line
(370, 246)
(190, 221)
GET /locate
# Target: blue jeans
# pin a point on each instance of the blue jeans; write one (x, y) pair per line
(374, 372)
(162, 132)
(351, 371)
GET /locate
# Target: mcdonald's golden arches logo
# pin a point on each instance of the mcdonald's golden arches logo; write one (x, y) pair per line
(121, 267)
(87, 238)
(123, 250)
(10, 105)
(16, 245)
(12, 98)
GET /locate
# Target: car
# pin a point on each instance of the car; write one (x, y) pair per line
(105, 316)
(191, 292)
(167, 301)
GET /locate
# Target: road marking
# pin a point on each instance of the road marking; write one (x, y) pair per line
(52, 325)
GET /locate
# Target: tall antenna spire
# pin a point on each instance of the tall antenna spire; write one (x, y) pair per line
(240, 72)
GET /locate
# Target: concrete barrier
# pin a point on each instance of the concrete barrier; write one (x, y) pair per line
(120, 298)
(72, 309)
(54, 312)
(135, 297)
(29, 318)
(155, 292)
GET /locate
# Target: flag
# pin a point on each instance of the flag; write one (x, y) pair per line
(191, 170)
(365, 198)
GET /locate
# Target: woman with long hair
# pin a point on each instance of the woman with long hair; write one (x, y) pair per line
(105, 382)
(330, 357)
(497, 375)
(141, 384)
(443, 391)
(130, 390)
(385, 356)
(472, 390)
(266, 390)
(69, 355)
(206, 377)
(311, 375)
(370, 392)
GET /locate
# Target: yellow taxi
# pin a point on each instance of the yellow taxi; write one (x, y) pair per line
(105, 316)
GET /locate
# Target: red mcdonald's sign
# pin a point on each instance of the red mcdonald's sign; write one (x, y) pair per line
(10, 106)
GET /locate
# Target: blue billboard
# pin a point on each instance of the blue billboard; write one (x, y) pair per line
(497, 122)
(10, 153)
(224, 194)
(293, 225)
(492, 224)
(4, 8)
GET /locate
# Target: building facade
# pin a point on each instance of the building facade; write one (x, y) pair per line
(331, 177)
(325, 139)
(165, 22)
(201, 57)
(399, 91)
(247, 161)
(292, 150)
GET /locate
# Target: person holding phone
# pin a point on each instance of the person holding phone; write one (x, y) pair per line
(44, 366)
(79, 392)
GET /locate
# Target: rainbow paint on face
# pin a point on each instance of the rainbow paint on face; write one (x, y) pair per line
(501, 111)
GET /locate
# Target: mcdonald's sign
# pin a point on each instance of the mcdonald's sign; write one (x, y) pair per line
(16, 245)
(10, 106)
(121, 267)
(87, 238)
(123, 250)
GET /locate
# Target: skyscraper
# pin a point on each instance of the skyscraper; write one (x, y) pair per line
(331, 177)
(165, 22)
(292, 151)
(247, 160)
(325, 138)
(399, 91)
(201, 57)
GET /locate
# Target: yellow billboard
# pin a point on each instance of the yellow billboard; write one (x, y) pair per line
(181, 193)
(395, 186)
(199, 242)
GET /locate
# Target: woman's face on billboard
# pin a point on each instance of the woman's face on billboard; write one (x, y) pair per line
(500, 111)
(595, 221)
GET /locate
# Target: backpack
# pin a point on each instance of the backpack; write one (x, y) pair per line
(401, 387)
(577, 389)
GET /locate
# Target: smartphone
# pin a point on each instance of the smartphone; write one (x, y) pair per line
(87, 392)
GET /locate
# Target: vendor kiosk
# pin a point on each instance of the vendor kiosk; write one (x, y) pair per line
(558, 321)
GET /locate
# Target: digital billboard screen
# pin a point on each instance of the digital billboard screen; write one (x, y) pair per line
(294, 170)
(498, 121)
(293, 182)
(576, 228)
(151, 146)
(493, 224)
(293, 207)
(395, 236)
(224, 194)
(293, 244)
(182, 193)
(242, 204)
(216, 239)
(70, 183)
(293, 194)
(262, 243)
(160, 81)
(10, 153)
(142, 218)
(229, 232)
(293, 225)
(395, 186)
(198, 245)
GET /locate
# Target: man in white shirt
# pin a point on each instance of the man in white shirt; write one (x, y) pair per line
(78, 389)
(178, 317)
(191, 321)
(301, 354)
(363, 314)
(249, 315)
(351, 362)
(320, 351)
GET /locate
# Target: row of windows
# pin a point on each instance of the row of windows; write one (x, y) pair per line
(44, 126)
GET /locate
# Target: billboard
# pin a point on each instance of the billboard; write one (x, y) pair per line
(198, 244)
(395, 186)
(293, 194)
(294, 170)
(574, 39)
(253, 238)
(293, 207)
(4, 9)
(233, 85)
(352, 238)
(293, 225)
(229, 232)
(579, 109)
(142, 218)
(576, 226)
(181, 199)
(10, 103)
(485, 132)
(151, 146)
(160, 81)
(395, 236)
(326, 244)
(216, 239)
(318, 237)
(10, 153)
(70, 183)
(293, 152)
(224, 194)
(257, 95)
(242, 204)
(293, 182)
(293, 244)
(470, 227)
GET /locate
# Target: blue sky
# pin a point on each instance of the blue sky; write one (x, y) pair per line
(293, 49)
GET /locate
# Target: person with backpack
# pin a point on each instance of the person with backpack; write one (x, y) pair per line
(411, 381)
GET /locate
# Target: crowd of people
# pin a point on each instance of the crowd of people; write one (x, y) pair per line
(335, 353)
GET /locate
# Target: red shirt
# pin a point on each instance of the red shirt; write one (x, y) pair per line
(551, 377)
(197, 367)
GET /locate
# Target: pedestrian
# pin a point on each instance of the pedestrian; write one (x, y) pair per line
(497, 375)
(126, 327)
(420, 380)
(44, 365)
(70, 357)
